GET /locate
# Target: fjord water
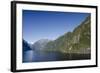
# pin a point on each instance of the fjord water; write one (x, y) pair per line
(40, 56)
(73, 45)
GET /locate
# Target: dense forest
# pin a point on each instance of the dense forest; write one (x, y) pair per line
(75, 45)
(77, 41)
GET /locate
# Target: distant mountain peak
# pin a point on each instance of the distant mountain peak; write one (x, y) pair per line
(77, 41)
(42, 41)
(40, 44)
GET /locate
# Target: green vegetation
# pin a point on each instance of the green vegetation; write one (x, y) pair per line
(78, 41)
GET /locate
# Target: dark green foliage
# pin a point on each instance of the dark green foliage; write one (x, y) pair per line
(78, 41)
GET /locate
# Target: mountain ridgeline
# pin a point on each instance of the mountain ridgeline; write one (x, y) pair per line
(40, 44)
(26, 46)
(75, 45)
(78, 41)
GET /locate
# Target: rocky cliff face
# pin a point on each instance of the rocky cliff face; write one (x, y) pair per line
(78, 41)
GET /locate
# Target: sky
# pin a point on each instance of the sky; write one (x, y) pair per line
(49, 24)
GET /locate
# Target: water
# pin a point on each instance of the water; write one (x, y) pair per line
(39, 56)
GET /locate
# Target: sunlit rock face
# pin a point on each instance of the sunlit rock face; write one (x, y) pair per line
(40, 44)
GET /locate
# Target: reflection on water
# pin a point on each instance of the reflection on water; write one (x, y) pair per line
(27, 56)
(39, 56)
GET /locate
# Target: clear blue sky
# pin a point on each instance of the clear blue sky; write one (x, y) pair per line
(48, 24)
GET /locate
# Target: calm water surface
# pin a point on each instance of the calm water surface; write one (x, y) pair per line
(39, 56)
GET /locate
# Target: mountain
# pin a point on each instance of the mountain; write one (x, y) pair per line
(77, 41)
(40, 44)
(26, 46)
